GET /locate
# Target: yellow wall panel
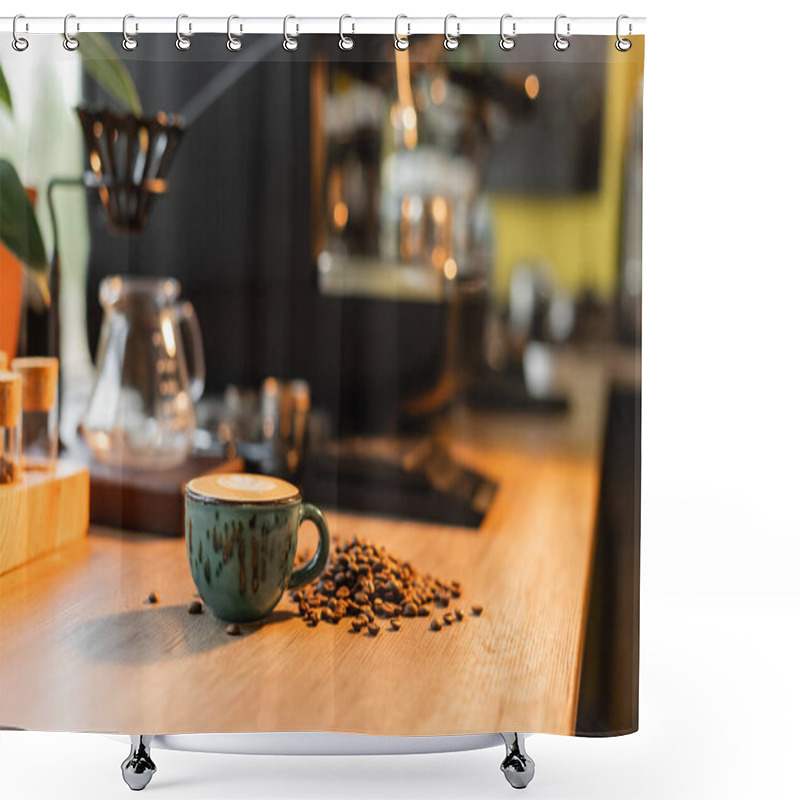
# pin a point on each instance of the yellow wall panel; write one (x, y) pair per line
(579, 235)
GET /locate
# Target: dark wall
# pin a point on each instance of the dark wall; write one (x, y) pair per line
(234, 227)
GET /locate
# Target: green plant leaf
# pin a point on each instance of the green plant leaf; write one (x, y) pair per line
(105, 66)
(19, 230)
(5, 92)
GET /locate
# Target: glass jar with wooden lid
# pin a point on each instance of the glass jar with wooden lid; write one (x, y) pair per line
(10, 426)
(39, 411)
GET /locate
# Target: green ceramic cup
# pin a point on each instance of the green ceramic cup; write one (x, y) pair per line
(241, 540)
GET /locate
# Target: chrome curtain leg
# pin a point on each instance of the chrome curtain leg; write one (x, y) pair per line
(517, 766)
(138, 768)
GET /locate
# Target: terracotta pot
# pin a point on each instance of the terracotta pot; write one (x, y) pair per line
(11, 272)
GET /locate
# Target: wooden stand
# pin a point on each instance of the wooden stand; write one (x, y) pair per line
(138, 500)
(42, 512)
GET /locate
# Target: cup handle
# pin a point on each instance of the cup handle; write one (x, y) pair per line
(303, 575)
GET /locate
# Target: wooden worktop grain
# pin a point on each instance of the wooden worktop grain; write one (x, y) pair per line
(82, 650)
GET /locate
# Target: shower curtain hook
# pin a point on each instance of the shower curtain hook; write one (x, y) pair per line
(233, 44)
(289, 43)
(181, 42)
(19, 43)
(129, 42)
(450, 41)
(346, 42)
(623, 45)
(70, 42)
(401, 42)
(507, 42)
(560, 43)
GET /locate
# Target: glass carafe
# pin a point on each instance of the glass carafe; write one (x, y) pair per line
(150, 373)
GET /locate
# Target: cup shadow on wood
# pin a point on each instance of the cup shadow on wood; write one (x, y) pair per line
(161, 633)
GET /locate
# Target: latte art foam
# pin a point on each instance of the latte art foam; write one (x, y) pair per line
(242, 488)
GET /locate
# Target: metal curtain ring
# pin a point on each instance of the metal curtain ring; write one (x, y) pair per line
(233, 44)
(401, 42)
(181, 42)
(289, 43)
(450, 41)
(128, 41)
(623, 45)
(560, 43)
(346, 42)
(19, 43)
(507, 42)
(70, 42)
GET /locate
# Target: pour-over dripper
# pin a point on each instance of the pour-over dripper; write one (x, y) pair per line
(129, 157)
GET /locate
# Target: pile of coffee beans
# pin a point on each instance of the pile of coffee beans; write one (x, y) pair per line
(366, 583)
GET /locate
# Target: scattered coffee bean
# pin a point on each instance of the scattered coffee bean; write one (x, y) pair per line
(435, 624)
(153, 597)
(395, 623)
(233, 630)
(477, 610)
(8, 470)
(410, 610)
(448, 618)
(195, 607)
(459, 614)
(373, 629)
(356, 625)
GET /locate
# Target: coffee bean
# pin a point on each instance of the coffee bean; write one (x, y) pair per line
(195, 607)
(356, 626)
(477, 610)
(153, 597)
(373, 629)
(395, 623)
(459, 614)
(233, 630)
(410, 610)
(435, 624)
(423, 611)
(448, 618)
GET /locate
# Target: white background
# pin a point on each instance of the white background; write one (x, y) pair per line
(720, 703)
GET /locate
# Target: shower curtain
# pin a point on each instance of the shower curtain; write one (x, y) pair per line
(414, 285)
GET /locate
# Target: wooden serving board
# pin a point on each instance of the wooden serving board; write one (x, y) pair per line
(42, 512)
(138, 500)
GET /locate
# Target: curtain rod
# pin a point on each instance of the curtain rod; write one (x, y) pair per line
(349, 25)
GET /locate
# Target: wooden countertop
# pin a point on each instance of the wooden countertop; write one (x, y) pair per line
(81, 650)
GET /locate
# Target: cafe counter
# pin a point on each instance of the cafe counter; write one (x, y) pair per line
(84, 650)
